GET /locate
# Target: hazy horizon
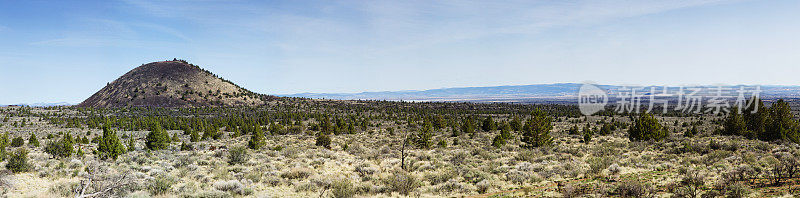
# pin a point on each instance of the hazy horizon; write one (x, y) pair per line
(65, 51)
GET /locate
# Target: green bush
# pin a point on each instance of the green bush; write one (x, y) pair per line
(489, 124)
(422, 139)
(598, 164)
(343, 189)
(33, 141)
(587, 136)
(109, 146)
(17, 142)
(734, 123)
(536, 131)
(633, 188)
(645, 128)
(256, 140)
(3, 144)
(186, 146)
(498, 141)
(160, 185)
(194, 136)
(18, 161)
(157, 138)
(403, 182)
(237, 155)
(323, 140)
(691, 132)
(62, 148)
(573, 130)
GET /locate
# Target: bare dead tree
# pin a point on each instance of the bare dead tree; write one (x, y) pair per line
(403, 152)
(102, 191)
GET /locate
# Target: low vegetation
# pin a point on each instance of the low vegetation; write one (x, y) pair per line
(319, 148)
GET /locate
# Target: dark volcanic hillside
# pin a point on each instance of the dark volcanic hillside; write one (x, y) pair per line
(171, 84)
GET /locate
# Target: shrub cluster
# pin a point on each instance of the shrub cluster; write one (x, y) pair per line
(62, 148)
(323, 140)
(256, 140)
(646, 127)
(109, 146)
(3, 144)
(536, 131)
(17, 142)
(503, 137)
(33, 141)
(237, 155)
(157, 138)
(18, 161)
(768, 124)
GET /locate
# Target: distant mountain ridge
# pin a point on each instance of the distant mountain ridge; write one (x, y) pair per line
(513, 93)
(41, 104)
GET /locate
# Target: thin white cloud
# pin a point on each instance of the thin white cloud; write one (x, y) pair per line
(97, 42)
(411, 26)
(100, 32)
(162, 29)
(389, 26)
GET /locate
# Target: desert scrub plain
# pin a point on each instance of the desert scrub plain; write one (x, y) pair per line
(319, 148)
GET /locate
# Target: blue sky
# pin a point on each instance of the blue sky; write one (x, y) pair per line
(53, 51)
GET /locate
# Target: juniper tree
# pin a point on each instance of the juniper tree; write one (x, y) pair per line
(468, 125)
(175, 137)
(33, 141)
(645, 128)
(18, 161)
(323, 140)
(503, 137)
(690, 132)
(536, 131)
(422, 139)
(186, 146)
(756, 116)
(157, 138)
(109, 146)
(194, 136)
(61, 148)
(781, 123)
(516, 123)
(256, 140)
(3, 144)
(489, 124)
(607, 128)
(734, 124)
(573, 130)
(17, 142)
(587, 135)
